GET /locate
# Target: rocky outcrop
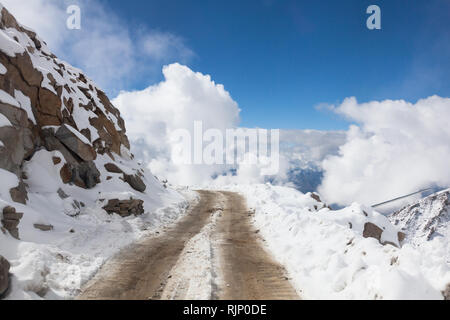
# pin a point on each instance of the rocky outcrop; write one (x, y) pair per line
(125, 208)
(75, 143)
(54, 106)
(84, 175)
(373, 231)
(18, 139)
(425, 219)
(4, 276)
(11, 220)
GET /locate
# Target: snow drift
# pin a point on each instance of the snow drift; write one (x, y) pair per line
(334, 255)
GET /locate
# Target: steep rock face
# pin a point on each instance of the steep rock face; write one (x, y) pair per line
(53, 106)
(426, 219)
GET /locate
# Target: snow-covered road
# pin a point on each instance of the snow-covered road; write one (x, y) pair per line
(213, 252)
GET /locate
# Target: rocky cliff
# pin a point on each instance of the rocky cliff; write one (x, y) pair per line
(50, 105)
(64, 153)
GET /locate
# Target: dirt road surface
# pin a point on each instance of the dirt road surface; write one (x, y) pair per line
(163, 267)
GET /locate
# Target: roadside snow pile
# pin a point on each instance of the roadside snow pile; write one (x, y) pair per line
(81, 236)
(328, 255)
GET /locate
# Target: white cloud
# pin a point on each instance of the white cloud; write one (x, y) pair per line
(111, 52)
(151, 115)
(396, 148)
(176, 103)
(164, 45)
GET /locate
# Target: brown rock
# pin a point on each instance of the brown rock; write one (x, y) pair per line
(47, 120)
(32, 76)
(372, 231)
(9, 214)
(66, 174)
(56, 160)
(11, 220)
(125, 208)
(4, 276)
(107, 132)
(50, 103)
(84, 175)
(43, 227)
(135, 182)
(316, 197)
(51, 143)
(111, 167)
(10, 224)
(19, 194)
(401, 237)
(9, 209)
(73, 143)
(18, 139)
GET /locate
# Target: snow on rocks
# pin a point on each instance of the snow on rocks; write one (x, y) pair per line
(426, 224)
(426, 219)
(57, 133)
(55, 263)
(330, 255)
(76, 142)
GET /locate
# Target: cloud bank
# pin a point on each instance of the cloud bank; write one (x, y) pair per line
(112, 52)
(185, 96)
(153, 114)
(396, 148)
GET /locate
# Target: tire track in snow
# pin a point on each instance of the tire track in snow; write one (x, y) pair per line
(212, 253)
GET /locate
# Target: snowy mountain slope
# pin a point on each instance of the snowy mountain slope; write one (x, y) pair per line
(426, 220)
(71, 193)
(333, 255)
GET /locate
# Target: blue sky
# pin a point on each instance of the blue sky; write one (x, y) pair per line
(280, 59)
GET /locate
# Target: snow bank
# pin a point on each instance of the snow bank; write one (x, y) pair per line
(56, 264)
(327, 256)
